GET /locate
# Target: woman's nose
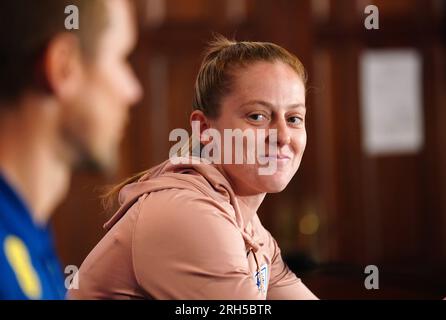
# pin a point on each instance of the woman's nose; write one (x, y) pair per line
(280, 133)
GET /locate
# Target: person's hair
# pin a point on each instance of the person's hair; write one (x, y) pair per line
(28, 26)
(222, 60)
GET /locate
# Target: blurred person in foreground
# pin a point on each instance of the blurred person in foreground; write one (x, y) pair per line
(188, 228)
(64, 102)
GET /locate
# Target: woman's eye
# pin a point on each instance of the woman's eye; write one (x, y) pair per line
(295, 120)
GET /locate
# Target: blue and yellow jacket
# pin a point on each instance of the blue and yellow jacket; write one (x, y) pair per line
(29, 267)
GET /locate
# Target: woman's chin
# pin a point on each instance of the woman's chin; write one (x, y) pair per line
(274, 184)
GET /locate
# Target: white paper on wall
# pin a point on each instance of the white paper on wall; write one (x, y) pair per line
(391, 102)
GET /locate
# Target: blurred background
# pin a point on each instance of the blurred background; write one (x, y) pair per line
(371, 189)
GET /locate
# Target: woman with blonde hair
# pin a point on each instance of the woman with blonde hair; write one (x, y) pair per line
(189, 229)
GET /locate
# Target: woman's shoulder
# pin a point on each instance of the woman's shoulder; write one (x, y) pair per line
(186, 190)
(182, 202)
(187, 218)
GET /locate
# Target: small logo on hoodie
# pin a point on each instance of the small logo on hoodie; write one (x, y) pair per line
(261, 279)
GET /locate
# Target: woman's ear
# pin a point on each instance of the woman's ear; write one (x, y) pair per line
(199, 120)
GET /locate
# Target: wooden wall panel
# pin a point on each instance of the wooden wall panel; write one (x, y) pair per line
(381, 210)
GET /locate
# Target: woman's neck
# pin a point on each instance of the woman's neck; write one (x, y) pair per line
(253, 201)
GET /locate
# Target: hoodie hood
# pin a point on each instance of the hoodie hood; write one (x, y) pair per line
(196, 175)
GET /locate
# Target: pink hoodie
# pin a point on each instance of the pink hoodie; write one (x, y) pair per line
(182, 233)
